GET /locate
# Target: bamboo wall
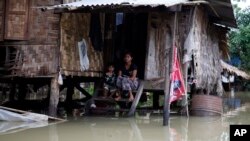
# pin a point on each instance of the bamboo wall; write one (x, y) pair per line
(38, 54)
(35, 60)
(44, 27)
(159, 40)
(74, 27)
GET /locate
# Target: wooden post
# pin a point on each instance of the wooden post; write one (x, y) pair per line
(54, 97)
(70, 92)
(84, 92)
(12, 92)
(166, 93)
(22, 91)
(136, 100)
(156, 103)
(169, 58)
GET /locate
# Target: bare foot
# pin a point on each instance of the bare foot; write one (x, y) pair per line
(131, 98)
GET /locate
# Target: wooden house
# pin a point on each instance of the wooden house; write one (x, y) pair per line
(39, 45)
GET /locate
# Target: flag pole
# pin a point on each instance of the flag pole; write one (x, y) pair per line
(170, 60)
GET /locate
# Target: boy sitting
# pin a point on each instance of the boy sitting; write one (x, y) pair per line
(109, 81)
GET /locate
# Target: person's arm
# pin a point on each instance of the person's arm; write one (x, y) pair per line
(134, 73)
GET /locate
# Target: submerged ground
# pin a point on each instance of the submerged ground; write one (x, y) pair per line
(137, 129)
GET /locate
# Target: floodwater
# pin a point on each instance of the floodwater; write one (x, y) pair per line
(136, 129)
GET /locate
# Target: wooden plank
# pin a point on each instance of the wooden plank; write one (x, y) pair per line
(166, 107)
(2, 12)
(70, 91)
(109, 109)
(54, 97)
(136, 100)
(12, 92)
(111, 100)
(83, 91)
(16, 22)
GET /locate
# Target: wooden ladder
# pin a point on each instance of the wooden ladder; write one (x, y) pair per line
(136, 100)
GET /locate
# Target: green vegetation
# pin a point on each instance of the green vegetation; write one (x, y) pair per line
(239, 39)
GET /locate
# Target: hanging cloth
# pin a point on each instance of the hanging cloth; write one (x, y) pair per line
(95, 32)
(60, 78)
(177, 87)
(84, 60)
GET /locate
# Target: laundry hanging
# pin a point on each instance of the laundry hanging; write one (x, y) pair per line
(84, 60)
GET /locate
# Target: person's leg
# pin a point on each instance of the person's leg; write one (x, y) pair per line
(127, 86)
(131, 96)
(119, 86)
(112, 91)
(105, 93)
(133, 86)
(118, 97)
(105, 90)
(119, 82)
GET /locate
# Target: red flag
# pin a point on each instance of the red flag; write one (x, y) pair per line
(177, 89)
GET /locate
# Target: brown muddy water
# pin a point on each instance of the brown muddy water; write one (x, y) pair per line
(237, 111)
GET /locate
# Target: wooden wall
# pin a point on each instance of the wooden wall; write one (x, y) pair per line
(37, 46)
(75, 27)
(206, 46)
(160, 37)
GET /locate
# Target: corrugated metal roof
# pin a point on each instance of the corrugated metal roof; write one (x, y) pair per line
(100, 3)
(220, 10)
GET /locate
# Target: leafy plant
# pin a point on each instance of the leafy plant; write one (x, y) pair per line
(239, 39)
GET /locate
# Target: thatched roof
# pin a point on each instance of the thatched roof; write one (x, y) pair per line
(234, 70)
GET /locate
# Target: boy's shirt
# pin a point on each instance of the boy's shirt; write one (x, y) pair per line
(110, 79)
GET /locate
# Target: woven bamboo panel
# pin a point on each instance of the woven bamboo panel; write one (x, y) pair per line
(19, 24)
(16, 19)
(74, 27)
(36, 60)
(2, 10)
(45, 24)
(37, 56)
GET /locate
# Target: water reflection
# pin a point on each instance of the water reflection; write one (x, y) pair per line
(53, 135)
(107, 129)
(139, 129)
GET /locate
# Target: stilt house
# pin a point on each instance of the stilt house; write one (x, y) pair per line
(39, 39)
